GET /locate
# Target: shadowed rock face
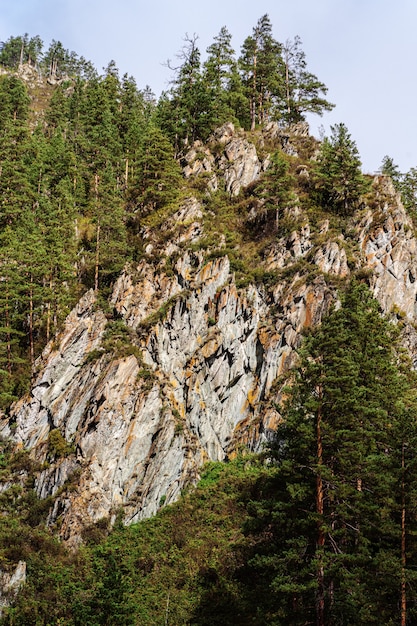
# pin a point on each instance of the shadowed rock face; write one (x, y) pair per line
(196, 382)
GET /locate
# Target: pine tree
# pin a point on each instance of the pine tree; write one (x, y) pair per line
(339, 455)
(408, 189)
(220, 74)
(391, 169)
(274, 191)
(136, 110)
(186, 113)
(158, 174)
(18, 50)
(304, 93)
(33, 263)
(14, 100)
(339, 180)
(55, 59)
(52, 177)
(105, 249)
(56, 115)
(99, 124)
(11, 316)
(15, 190)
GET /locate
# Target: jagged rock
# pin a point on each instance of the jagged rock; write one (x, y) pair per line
(199, 160)
(137, 296)
(240, 164)
(195, 382)
(190, 211)
(223, 134)
(29, 74)
(389, 245)
(272, 131)
(10, 583)
(286, 136)
(237, 162)
(297, 245)
(303, 174)
(184, 226)
(187, 223)
(59, 367)
(140, 431)
(300, 129)
(331, 259)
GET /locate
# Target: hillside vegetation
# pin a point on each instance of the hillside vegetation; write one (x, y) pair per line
(320, 526)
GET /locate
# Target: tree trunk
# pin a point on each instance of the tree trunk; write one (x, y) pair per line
(403, 542)
(48, 321)
(8, 334)
(253, 98)
(48, 309)
(31, 338)
(320, 512)
(97, 256)
(97, 262)
(287, 83)
(167, 610)
(21, 54)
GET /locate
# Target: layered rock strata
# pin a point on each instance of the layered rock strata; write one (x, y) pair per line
(193, 378)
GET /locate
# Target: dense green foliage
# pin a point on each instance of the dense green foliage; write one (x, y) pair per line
(268, 81)
(54, 62)
(65, 186)
(404, 183)
(348, 415)
(340, 182)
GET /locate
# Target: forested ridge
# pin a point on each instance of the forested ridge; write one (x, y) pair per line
(100, 141)
(320, 527)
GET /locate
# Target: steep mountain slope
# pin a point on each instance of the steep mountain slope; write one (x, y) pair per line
(182, 364)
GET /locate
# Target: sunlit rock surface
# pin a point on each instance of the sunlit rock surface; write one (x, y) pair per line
(196, 380)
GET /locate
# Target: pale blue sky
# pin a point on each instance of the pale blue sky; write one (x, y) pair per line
(365, 51)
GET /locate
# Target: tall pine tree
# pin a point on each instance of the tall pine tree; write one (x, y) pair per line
(261, 67)
(345, 531)
(339, 180)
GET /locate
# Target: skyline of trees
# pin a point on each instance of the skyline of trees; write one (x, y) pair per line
(267, 80)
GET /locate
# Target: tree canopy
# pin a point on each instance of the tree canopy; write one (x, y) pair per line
(268, 81)
(339, 179)
(349, 413)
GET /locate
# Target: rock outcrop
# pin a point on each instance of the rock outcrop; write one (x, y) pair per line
(191, 375)
(388, 242)
(10, 583)
(228, 156)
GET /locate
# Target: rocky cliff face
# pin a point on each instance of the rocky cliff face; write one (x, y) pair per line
(10, 583)
(125, 408)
